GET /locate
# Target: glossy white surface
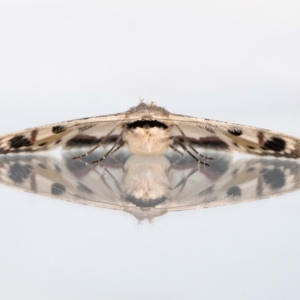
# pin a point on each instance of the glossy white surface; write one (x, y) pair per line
(236, 61)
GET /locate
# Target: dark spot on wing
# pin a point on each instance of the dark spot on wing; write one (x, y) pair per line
(251, 147)
(42, 144)
(57, 142)
(83, 188)
(235, 144)
(210, 130)
(235, 131)
(264, 170)
(146, 124)
(58, 128)
(145, 202)
(206, 192)
(19, 141)
(234, 172)
(218, 167)
(85, 127)
(275, 178)
(57, 168)
(42, 166)
(276, 144)
(18, 173)
(234, 191)
(75, 165)
(82, 140)
(212, 142)
(250, 170)
(58, 189)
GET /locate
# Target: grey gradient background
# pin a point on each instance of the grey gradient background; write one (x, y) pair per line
(236, 61)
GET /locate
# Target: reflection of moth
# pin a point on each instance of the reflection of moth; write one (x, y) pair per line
(150, 186)
(151, 130)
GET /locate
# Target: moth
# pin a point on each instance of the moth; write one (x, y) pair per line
(147, 129)
(150, 187)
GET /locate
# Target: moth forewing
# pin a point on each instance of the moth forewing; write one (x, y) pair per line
(147, 129)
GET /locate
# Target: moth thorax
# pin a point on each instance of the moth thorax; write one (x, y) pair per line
(147, 137)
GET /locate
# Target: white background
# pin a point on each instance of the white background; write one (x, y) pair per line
(237, 61)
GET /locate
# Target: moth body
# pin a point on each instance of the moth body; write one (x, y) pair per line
(147, 137)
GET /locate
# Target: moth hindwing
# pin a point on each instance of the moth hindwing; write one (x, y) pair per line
(147, 129)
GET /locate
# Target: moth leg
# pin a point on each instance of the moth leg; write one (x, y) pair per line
(115, 159)
(102, 176)
(113, 178)
(174, 163)
(190, 153)
(189, 144)
(118, 144)
(183, 182)
(185, 178)
(176, 150)
(87, 153)
(99, 144)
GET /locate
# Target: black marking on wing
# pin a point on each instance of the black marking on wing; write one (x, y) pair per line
(210, 130)
(207, 191)
(83, 188)
(275, 178)
(58, 189)
(276, 144)
(57, 168)
(42, 166)
(18, 173)
(42, 144)
(235, 131)
(19, 141)
(58, 128)
(82, 140)
(205, 142)
(234, 191)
